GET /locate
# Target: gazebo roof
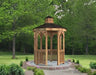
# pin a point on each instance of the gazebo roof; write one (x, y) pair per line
(49, 25)
(49, 17)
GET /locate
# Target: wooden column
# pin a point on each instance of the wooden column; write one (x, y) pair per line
(41, 55)
(35, 47)
(60, 42)
(40, 42)
(58, 52)
(64, 42)
(46, 51)
(64, 45)
(51, 37)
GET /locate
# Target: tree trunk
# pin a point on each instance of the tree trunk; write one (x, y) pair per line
(13, 47)
(87, 45)
(24, 50)
(72, 51)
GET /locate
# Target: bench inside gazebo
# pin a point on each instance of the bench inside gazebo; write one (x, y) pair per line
(49, 29)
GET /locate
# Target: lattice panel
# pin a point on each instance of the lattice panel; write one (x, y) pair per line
(52, 55)
(61, 57)
(41, 57)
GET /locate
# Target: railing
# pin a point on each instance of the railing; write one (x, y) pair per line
(52, 55)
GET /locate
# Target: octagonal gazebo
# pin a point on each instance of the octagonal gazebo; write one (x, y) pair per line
(49, 29)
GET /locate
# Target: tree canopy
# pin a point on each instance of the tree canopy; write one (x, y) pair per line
(19, 17)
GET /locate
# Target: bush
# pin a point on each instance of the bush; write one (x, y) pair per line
(73, 60)
(93, 65)
(77, 62)
(3, 70)
(12, 69)
(21, 63)
(94, 73)
(38, 72)
(89, 72)
(83, 70)
(26, 59)
(31, 68)
(15, 70)
(34, 68)
(77, 66)
(80, 69)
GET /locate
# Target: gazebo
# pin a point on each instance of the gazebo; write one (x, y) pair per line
(48, 30)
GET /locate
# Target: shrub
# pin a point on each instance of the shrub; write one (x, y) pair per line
(94, 73)
(21, 63)
(31, 68)
(26, 59)
(77, 62)
(15, 70)
(38, 72)
(89, 72)
(34, 68)
(3, 70)
(77, 66)
(93, 65)
(83, 70)
(73, 60)
(80, 68)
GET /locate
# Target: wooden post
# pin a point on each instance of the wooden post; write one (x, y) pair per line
(64, 45)
(46, 42)
(60, 42)
(51, 46)
(40, 42)
(58, 52)
(41, 56)
(34, 47)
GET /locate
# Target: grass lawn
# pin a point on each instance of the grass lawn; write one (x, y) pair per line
(6, 58)
(83, 59)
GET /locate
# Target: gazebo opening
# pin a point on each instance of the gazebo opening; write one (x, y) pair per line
(49, 43)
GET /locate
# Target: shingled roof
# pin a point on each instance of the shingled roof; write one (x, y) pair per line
(49, 17)
(49, 25)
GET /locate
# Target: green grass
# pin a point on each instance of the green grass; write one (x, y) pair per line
(6, 58)
(84, 59)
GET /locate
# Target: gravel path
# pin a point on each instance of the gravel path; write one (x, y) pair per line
(70, 71)
(28, 72)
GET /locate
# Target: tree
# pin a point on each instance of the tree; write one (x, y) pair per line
(21, 16)
(79, 17)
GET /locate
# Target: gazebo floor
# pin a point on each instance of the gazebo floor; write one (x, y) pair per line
(51, 65)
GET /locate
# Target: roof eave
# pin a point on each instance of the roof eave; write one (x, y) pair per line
(49, 29)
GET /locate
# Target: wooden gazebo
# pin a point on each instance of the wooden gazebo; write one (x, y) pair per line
(49, 29)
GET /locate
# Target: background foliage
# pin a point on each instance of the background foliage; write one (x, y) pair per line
(19, 17)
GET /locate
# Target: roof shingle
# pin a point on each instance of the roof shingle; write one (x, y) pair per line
(49, 25)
